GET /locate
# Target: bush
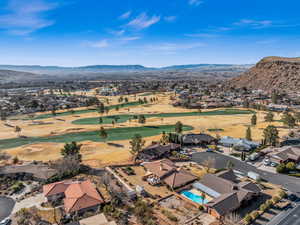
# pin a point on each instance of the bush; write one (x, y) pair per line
(291, 166)
(275, 199)
(170, 215)
(263, 207)
(201, 207)
(254, 215)
(282, 194)
(269, 203)
(281, 168)
(248, 219)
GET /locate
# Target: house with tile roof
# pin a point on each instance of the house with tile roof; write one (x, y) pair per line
(78, 196)
(167, 172)
(227, 192)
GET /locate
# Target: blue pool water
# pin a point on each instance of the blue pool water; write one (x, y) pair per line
(195, 198)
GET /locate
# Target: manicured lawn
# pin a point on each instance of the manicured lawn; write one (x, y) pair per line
(114, 134)
(82, 111)
(126, 117)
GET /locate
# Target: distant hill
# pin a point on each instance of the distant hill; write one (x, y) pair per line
(110, 68)
(271, 73)
(23, 73)
(9, 75)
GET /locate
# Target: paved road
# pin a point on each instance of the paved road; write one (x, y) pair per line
(290, 217)
(6, 207)
(290, 183)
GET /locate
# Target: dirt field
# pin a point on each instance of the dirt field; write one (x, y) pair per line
(97, 153)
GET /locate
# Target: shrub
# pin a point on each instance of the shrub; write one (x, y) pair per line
(269, 203)
(275, 199)
(263, 207)
(282, 194)
(291, 166)
(281, 168)
(248, 219)
(170, 215)
(254, 215)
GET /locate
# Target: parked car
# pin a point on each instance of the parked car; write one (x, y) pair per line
(274, 164)
(267, 162)
(6, 221)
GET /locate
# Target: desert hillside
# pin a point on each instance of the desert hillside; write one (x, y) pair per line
(271, 73)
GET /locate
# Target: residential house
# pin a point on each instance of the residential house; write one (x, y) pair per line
(157, 151)
(165, 171)
(238, 143)
(284, 154)
(78, 196)
(34, 171)
(226, 191)
(198, 139)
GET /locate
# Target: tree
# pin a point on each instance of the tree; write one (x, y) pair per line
(72, 150)
(178, 127)
(136, 145)
(164, 138)
(271, 135)
(142, 119)
(281, 168)
(248, 134)
(101, 108)
(291, 166)
(18, 130)
(288, 120)
(253, 120)
(269, 117)
(100, 120)
(103, 134)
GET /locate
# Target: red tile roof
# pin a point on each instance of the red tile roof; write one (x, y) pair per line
(78, 195)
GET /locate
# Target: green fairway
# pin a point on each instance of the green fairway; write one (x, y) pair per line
(82, 111)
(114, 134)
(126, 117)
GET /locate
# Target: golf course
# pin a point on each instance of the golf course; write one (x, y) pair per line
(126, 117)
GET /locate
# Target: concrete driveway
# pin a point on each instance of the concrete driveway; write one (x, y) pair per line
(29, 202)
(288, 182)
(6, 207)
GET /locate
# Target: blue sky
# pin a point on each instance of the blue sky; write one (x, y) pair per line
(147, 32)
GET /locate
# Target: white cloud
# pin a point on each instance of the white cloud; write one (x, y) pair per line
(25, 17)
(133, 38)
(125, 15)
(99, 44)
(173, 47)
(201, 35)
(254, 23)
(143, 21)
(117, 32)
(170, 18)
(195, 2)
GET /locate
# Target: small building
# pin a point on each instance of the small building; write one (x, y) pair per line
(226, 191)
(198, 139)
(78, 196)
(165, 171)
(284, 154)
(34, 171)
(238, 144)
(157, 151)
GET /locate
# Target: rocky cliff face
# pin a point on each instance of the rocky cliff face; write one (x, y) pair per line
(271, 73)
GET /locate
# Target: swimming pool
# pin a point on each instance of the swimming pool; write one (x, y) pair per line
(194, 197)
